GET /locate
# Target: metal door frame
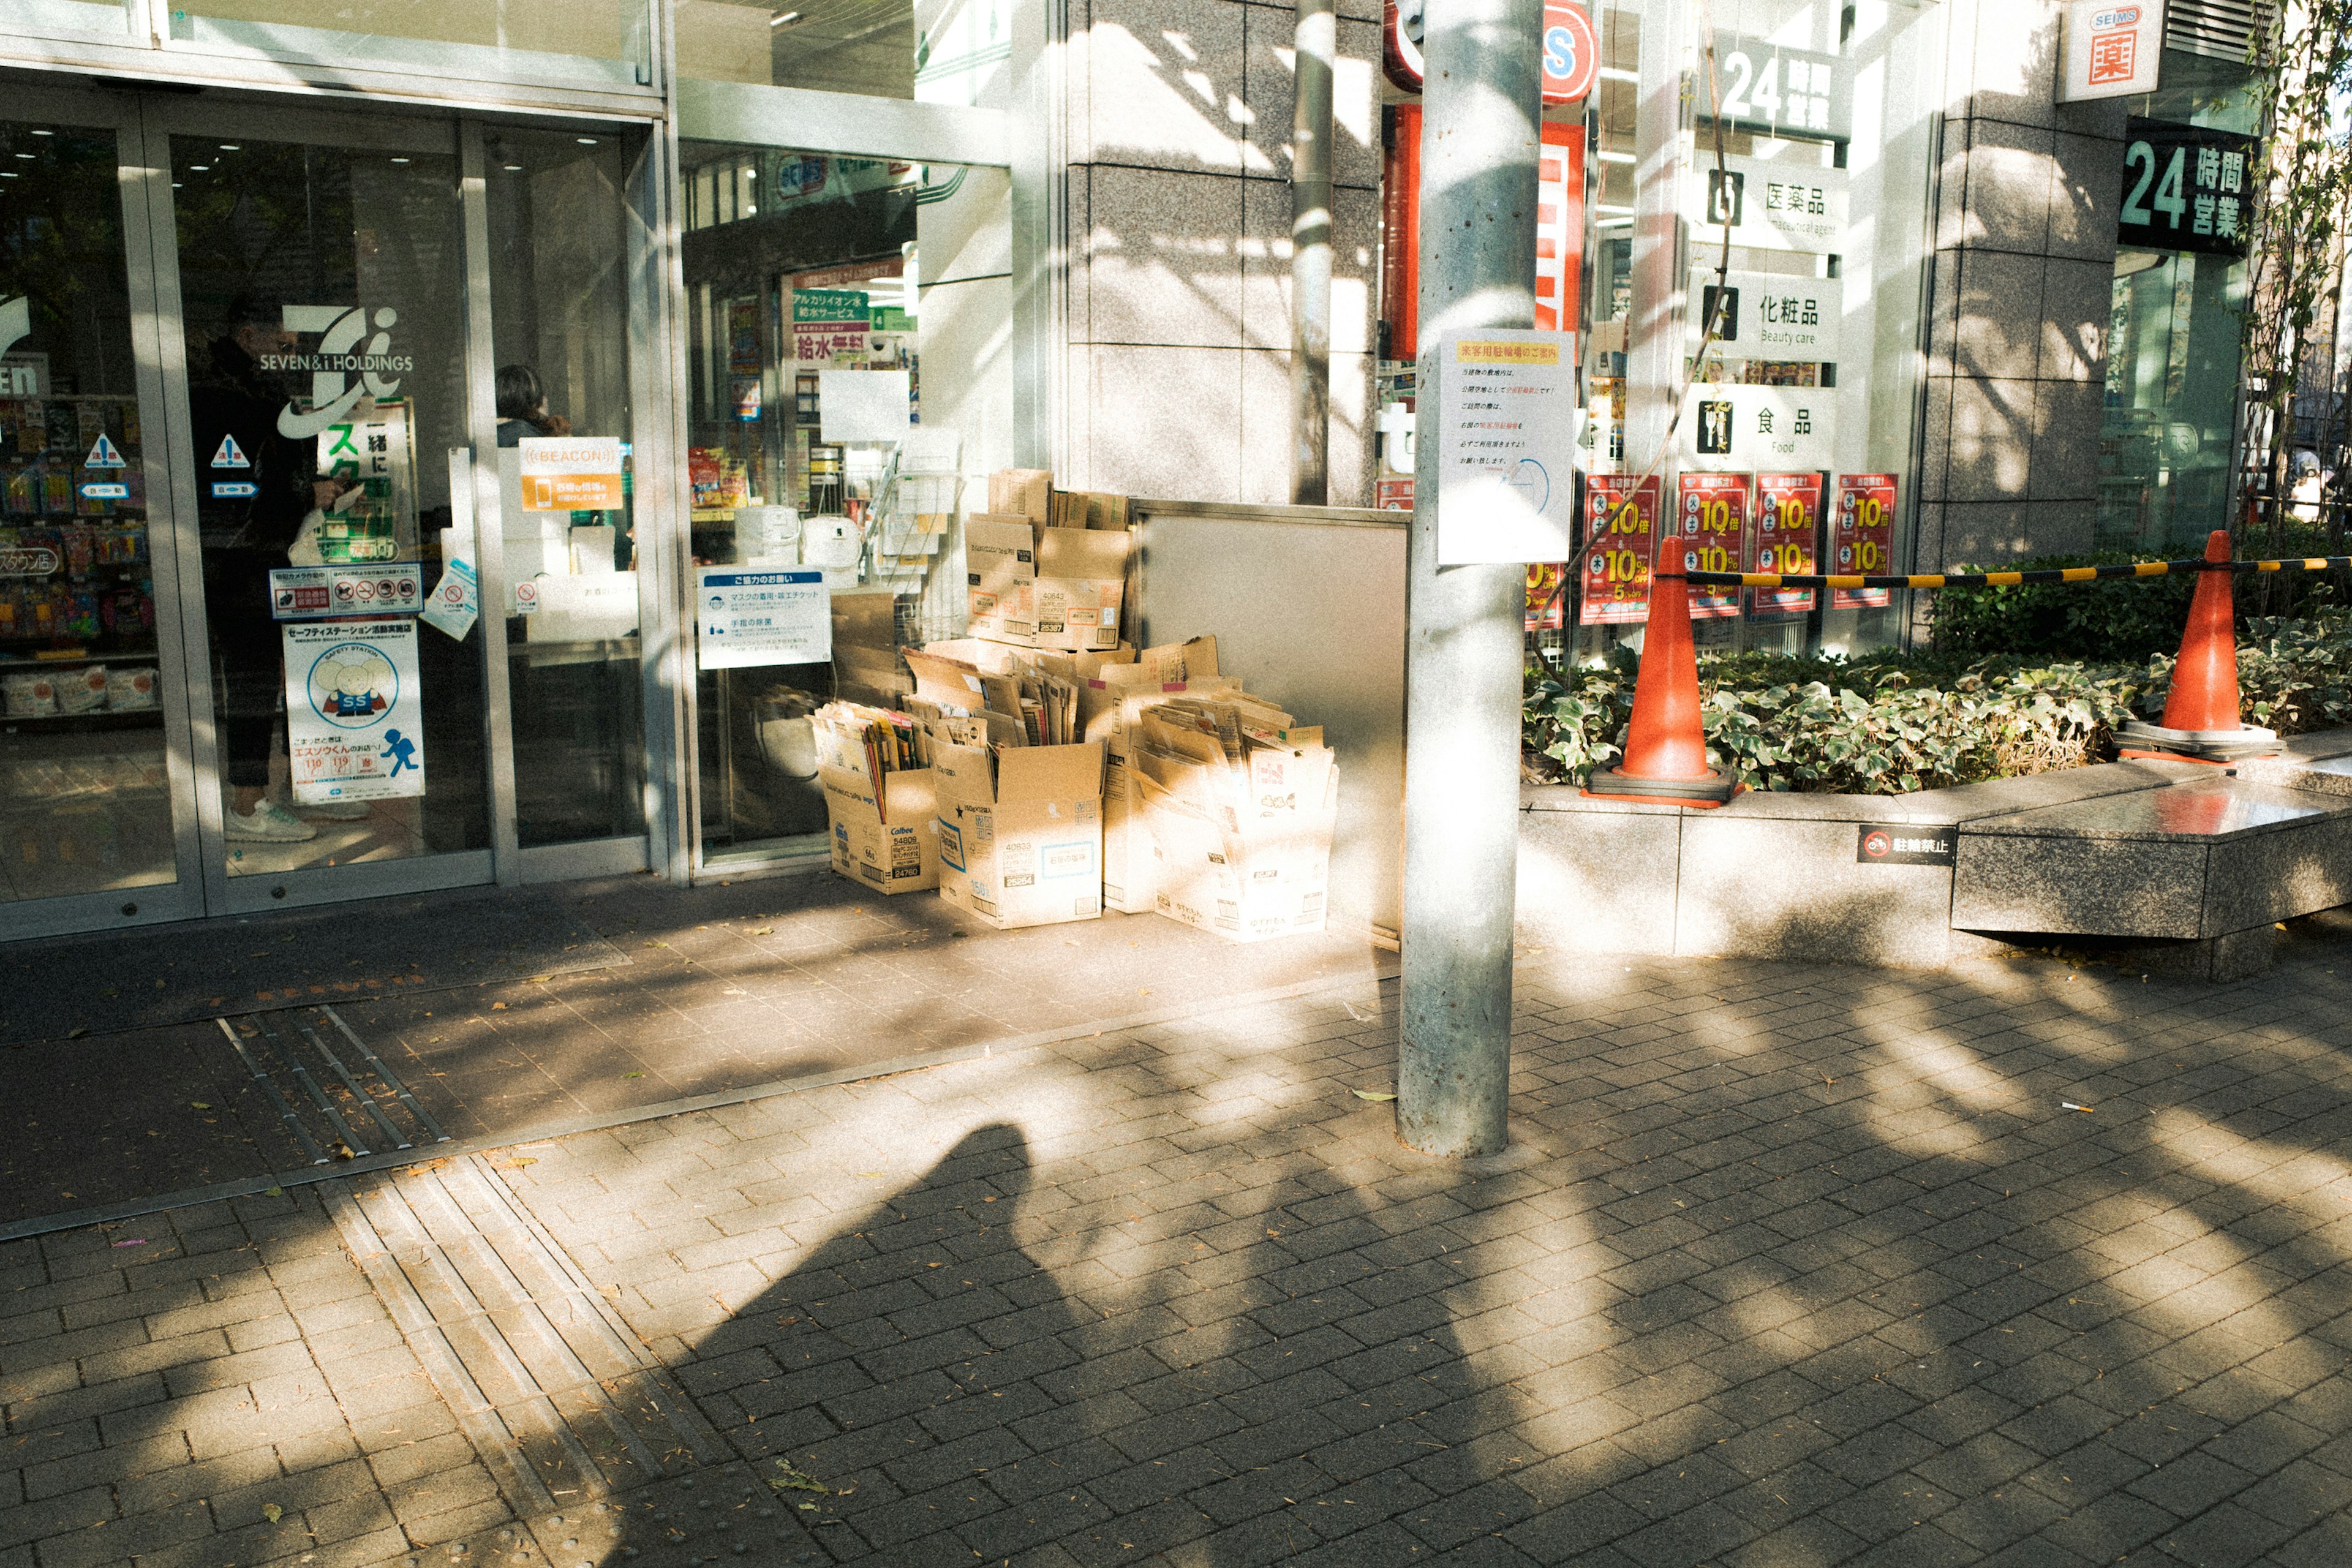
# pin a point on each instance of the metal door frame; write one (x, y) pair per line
(162, 118)
(183, 896)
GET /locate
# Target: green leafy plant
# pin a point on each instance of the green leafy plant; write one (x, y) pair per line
(2116, 622)
(1889, 723)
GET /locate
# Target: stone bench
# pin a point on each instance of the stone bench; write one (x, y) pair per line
(2199, 862)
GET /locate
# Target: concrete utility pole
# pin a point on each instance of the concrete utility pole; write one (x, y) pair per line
(1310, 257)
(1464, 625)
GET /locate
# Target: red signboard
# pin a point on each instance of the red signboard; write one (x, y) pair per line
(1547, 604)
(1862, 538)
(1787, 520)
(1711, 518)
(1401, 229)
(1560, 228)
(1571, 54)
(1617, 572)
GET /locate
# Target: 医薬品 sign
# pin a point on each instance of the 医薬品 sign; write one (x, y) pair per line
(1770, 203)
(2187, 188)
(1506, 428)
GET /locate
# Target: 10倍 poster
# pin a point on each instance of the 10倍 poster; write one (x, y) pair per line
(1788, 513)
(1711, 521)
(1624, 514)
(1862, 538)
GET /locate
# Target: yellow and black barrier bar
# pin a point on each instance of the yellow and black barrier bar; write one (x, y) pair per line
(2010, 579)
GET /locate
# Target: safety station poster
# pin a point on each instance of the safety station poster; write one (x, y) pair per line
(1623, 515)
(1862, 538)
(354, 710)
(1711, 515)
(1788, 514)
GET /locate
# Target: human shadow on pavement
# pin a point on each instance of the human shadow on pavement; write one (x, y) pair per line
(1134, 1379)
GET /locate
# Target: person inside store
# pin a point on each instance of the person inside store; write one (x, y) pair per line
(522, 407)
(255, 487)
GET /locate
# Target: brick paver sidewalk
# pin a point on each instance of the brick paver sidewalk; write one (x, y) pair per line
(1797, 1265)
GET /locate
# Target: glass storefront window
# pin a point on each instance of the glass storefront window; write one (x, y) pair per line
(85, 803)
(560, 222)
(322, 292)
(882, 48)
(580, 43)
(1804, 408)
(848, 380)
(2174, 343)
(107, 18)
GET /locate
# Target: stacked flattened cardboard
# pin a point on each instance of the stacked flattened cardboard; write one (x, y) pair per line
(1046, 568)
(1239, 800)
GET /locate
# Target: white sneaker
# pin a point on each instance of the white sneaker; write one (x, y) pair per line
(269, 823)
(336, 811)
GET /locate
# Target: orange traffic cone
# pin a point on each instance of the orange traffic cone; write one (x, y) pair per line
(2200, 715)
(1665, 749)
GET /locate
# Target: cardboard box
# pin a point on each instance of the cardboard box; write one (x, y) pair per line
(1081, 578)
(885, 839)
(1089, 509)
(1131, 875)
(1000, 566)
(1021, 843)
(1022, 492)
(1250, 868)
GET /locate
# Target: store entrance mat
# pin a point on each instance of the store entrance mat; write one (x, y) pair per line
(100, 984)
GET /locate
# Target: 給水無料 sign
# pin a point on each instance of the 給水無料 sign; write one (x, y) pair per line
(1507, 417)
(571, 473)
(355, 710)
(748, 619)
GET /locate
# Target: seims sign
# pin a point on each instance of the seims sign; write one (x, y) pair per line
(1902, 844)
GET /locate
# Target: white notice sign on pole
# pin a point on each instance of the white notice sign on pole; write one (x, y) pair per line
(1508, 419)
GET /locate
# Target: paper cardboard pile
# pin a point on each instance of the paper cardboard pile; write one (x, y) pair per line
(1046, 568)
(1239, 802)
(880, 808)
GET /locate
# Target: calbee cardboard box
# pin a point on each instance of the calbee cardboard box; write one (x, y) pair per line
(1020, 833)
(882, 822)
(1248, 869)
(1081, 580)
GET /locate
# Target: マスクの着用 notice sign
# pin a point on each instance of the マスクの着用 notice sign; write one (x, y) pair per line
(355, 710)
(748, 619)
(1507, 433)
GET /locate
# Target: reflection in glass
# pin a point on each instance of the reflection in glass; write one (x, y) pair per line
(884, 49)
(559, 245)
(84, 804)
(602, 43)
(848, 389)
(321, 291)
(108, 18)
(2172, 366)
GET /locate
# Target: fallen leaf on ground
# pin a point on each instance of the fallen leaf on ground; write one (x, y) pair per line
(788, 1479)
(198, 1105)
(273, 1192)
(75, 1034)
(272, 1512)
(134, 1241)
(519, 1162)
(632, 1075)
(1370, 1094)
(498, 1006)
(765, 930)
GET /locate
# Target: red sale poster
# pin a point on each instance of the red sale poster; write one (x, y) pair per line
(1617, 572)
(1711, 516)
(1862, 538)
(1788, 514)
(1547, 604)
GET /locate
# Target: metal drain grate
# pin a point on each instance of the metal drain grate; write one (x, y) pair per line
(289, 1045)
